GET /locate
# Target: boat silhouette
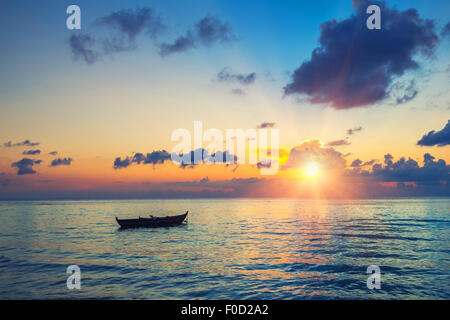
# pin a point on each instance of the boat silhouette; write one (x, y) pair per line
(152, 222)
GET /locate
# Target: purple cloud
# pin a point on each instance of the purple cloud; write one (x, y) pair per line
(440, 138)
(354, 66)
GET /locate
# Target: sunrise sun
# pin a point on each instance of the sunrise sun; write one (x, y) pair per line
(312, 170)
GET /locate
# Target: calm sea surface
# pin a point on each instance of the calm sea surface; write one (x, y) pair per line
(229, 249)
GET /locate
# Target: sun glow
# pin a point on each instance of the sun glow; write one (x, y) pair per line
(312, 170)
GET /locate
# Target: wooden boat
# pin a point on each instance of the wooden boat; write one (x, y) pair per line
(152, 222)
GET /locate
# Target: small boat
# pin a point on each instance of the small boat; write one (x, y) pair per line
(152, 222)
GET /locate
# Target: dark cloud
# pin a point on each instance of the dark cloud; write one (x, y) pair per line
(117, 44)
(410, 171)
(337, 143)
(266, 125)
(222, 157)
(354, 130)
(354, 66)
(61, 162)
(369, 163)
(403, 92)
(25, 166)
(392, 178)
(405, 177)
(207, 31)
(156, 157)
(181, 44)
(119, 163)
(123, 27)
(440, 138)
(131, 23)
(210, 30)
(88, 49)
(357, 163)
(187, 160)
(446, 30)
(244, 79)
(184, 165)
(82, 46)
(31, 152)
(203, 156)
(264, 164)
(25, 143)
(53, 153)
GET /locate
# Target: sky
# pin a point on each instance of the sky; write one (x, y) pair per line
(90, 113)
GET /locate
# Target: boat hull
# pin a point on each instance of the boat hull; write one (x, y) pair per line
(152, 222)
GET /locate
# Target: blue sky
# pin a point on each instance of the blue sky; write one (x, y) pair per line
(273, 35)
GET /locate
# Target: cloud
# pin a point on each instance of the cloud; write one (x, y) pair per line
(266, 125)
(119, 163)
(403, 92)
(357, 163)
(131, 23)
(210, 30)
(338, 143)
(31, 152)
(392, 178)
(354, 66)
(313, 151)
(409, 170)
(116, 45)
(203, 156)
(187, 160)
(238, 92)
(221, 157)
(155, 157)
(181, 44)
(25, 166)
(354, 130)
(264, 164)
(207, 31)
(440, 138)
(404, 177)
(122, 28)
(446, 30)
(53, 153)
(243, 79)
(82, 46)
(26, 143)
(61, 162)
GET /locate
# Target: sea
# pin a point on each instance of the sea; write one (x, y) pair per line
(228, 249)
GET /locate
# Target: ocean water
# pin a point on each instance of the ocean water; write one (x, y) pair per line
(229, 249)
